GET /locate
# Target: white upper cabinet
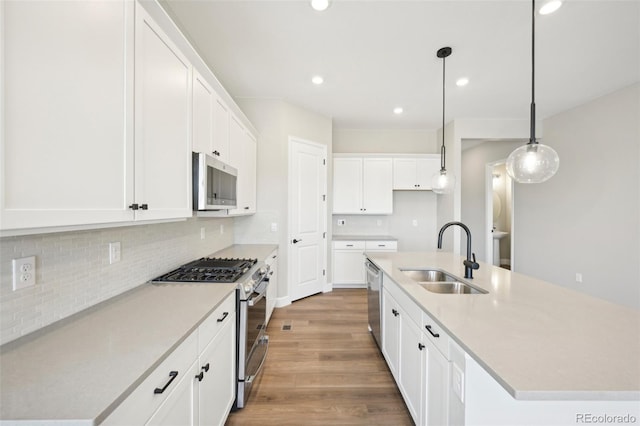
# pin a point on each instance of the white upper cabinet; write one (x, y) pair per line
(203, 114)
(221, 117)
(414, 173)
(210, 120)
(243, 156)
(162, 124)
(362, 185)
(67, 137)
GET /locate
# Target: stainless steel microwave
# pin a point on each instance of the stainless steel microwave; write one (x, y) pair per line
(214, 183)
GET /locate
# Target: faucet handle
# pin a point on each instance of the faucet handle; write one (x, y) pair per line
(472, 264)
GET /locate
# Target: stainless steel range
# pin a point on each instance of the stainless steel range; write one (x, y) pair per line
(253, 279)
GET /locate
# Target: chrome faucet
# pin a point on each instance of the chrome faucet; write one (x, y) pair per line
(469, 264)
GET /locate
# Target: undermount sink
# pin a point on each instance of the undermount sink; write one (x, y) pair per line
(440, 282)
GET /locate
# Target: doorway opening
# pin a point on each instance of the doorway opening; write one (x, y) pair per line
(499, 215)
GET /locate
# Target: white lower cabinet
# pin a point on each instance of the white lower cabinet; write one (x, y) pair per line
(194, 385)
(216, 385)
(177, 409)
(421, 370)
(348, 267)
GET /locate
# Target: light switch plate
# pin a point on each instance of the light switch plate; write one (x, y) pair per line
(24, 272)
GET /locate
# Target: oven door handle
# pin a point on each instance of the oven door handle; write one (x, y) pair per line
(253, 301)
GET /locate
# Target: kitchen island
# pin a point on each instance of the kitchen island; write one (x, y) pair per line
(541, 345)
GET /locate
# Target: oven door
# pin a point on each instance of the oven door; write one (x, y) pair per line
(256, 342)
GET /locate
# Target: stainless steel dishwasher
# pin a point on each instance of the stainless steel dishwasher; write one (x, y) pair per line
(374, 295)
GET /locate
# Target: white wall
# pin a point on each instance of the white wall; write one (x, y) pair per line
(586, 219)
(73, 271)
(275, 121)
(385, 141)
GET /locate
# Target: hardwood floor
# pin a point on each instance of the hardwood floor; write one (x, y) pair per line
(325, 370)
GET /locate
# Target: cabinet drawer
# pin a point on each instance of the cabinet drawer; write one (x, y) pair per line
(349, 245)
(442, 341)
(210, 327)
(138, 407)
(381, 245)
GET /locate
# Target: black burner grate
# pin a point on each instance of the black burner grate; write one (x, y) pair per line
(207, 269)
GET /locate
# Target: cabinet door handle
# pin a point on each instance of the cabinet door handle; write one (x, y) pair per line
(144, 207)
(134, 206)
(349, 245)
(428, 327)
(395, 313)
(173, 375)
(200, 376)
(215, 153)
(420, 346)
(223, 317)
(295, 241)
(205, 367)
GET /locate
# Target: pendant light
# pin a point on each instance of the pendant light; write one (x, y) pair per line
(533, 162)
(443, 182)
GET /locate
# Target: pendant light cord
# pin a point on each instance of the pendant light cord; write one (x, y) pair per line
(442, 150)
(532, 137)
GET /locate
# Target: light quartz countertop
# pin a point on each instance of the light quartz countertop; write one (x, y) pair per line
(80, 369)
(357, 237)
(540, 341)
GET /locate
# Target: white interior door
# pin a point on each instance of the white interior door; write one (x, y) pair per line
(307, 218)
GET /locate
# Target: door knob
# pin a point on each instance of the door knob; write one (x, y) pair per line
(295, 241)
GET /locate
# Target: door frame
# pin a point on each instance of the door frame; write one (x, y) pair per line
(488, 194)
(290, 211)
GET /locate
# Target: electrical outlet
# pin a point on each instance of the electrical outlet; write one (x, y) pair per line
(578, 277)
(341, 222)
(114, 253)
(414, 222)
(458, 383)
(24, 272)
(274, 227)
(221, 229)
(202, 233)
(379, 222)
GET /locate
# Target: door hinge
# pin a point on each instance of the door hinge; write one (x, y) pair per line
(324, 235)
(324, 272)
(324, 161)
(324, 197)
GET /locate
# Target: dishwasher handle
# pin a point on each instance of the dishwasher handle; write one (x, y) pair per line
(372, 269)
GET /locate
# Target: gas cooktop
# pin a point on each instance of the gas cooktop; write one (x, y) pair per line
(209, 269)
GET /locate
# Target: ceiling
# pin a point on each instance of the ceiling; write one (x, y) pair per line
(376, 55)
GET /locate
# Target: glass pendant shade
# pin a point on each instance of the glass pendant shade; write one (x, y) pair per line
(533, 163)
(443, 182)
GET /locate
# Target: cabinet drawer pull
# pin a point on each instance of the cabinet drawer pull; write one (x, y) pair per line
(420, 346)
(200, 376)
(349, 245)
(173, 375)
(206, 367)
(428, 327)
(223, 317)
(144, 207)
(134, 206)
(395, 313)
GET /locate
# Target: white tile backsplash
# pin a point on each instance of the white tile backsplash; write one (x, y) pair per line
(73, 270)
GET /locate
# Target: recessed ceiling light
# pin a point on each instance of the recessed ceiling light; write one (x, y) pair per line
(550, 7)
(317, 79)
(319, 5)
(398, 110)
(462, 81)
